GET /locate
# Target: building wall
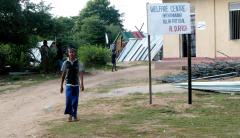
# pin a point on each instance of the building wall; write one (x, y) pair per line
(171, 46)
(215, 37)
(205, 39)
(224, 44)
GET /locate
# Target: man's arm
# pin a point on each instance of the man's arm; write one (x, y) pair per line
(62, 81)
(63, 69)
(81, 80)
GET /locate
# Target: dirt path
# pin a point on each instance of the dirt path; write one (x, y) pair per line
(23, 112)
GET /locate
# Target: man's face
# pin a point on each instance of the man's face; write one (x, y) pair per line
(71, 53)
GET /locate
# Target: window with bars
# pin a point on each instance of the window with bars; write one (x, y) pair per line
(234, 20)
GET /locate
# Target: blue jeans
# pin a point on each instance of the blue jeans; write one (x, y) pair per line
(72, 94)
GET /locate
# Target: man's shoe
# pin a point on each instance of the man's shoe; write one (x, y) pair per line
(70, 118)
(75, 119)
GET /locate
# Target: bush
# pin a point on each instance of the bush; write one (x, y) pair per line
(93, 56)
(15, 56)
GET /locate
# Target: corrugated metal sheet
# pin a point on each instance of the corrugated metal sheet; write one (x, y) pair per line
(213, 86)
(126, 49)
(137, 49)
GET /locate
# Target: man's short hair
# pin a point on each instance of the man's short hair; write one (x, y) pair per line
(71, 47)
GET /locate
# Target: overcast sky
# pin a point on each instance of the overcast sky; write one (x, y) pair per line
(134, 10)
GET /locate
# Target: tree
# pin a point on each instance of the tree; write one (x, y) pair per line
(103, 10)
(113, 31)
(38, 19)
(92, 31)
(11, 19)
(20, 19)
(64, 24)
(94, 20)
(21, 22)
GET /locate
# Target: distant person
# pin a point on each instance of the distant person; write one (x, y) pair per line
(59, 56)
(72, 73)
(53, 58)
(44, 50)
(114, 56)
(53, 50)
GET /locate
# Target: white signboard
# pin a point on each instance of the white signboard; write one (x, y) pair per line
(168, 18)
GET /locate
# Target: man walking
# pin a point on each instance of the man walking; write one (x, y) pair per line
(72, 70)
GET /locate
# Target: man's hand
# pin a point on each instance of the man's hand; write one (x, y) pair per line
(82, 88)
(61, 89)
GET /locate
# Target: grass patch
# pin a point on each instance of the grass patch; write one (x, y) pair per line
(211, 115)
(109, 86)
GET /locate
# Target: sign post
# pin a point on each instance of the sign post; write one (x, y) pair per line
(171, 18)
(150, 70)
(189, 69)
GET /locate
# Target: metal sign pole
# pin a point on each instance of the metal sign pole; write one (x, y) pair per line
(149, 58)
(150, 70)
(189, 69)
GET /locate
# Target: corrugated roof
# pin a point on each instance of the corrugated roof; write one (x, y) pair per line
(128, 35)
(137, 49)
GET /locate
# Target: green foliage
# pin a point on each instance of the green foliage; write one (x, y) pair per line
(93, 56)
(64, 25)
(113, 31)
(97, 18)
(92, 31)
(23, 23)
(103, 10)
(15, 56)
(21, 19)
(38, 20)
(11, 21)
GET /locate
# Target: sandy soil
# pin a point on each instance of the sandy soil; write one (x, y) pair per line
(24, 111)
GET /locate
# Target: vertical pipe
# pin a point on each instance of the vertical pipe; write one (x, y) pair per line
(189, 69)
(230, 21)
(215, 31)
(149, 58)
(150, 70)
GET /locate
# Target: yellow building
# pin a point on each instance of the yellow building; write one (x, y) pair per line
(216, 32)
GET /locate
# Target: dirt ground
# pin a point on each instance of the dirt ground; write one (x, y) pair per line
(24, 111)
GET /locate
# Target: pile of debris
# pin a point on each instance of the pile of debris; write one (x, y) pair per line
(215, 70)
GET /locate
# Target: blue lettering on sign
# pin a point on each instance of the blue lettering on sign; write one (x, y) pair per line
(171, 15)
(158, 8)
(178, 8)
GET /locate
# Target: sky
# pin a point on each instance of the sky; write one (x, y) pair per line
(134, 10)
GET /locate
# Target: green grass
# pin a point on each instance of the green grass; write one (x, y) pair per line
(109, 86)
(211, 115)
